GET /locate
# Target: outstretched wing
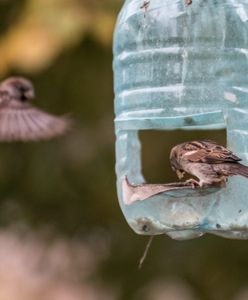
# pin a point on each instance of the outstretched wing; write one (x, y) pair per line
(23, 122)
(208, 152)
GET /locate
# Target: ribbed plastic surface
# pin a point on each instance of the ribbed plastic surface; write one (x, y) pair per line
(182, 67)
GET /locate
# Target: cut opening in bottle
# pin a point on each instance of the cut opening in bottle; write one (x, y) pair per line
(157, 144)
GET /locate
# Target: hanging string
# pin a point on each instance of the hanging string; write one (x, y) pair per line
(145, 252)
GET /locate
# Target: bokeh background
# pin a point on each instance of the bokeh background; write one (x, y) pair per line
(62, 234)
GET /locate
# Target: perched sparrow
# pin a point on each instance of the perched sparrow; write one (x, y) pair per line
(211, 163)
(19, 120)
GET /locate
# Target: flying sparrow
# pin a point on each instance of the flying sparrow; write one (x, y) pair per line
(19, 120)
(211, 163)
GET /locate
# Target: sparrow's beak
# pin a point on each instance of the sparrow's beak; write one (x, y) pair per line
(180, 174)
(29, 94)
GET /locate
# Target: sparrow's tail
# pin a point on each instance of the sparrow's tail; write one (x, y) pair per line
(239, 169)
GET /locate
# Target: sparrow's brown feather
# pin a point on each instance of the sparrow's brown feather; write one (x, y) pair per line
(208, 152)
(29, 123)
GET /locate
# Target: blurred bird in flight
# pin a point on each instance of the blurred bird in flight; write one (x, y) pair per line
(211, 163)
(19, 120)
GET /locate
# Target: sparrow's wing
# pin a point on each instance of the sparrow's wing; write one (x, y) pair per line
(208, 152)
(23, 122)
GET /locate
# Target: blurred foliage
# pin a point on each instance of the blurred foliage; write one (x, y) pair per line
(66, 187)
(35, 32)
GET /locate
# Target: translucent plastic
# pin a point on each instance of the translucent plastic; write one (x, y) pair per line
(178, 66)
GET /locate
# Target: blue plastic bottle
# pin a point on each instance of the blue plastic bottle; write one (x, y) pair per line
(178, 66)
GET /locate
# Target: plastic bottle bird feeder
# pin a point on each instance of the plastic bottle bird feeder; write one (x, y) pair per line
(181, 67)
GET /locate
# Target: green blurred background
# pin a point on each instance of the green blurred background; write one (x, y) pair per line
(63, 236)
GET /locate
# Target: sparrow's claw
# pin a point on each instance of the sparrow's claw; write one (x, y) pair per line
(194, 183)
